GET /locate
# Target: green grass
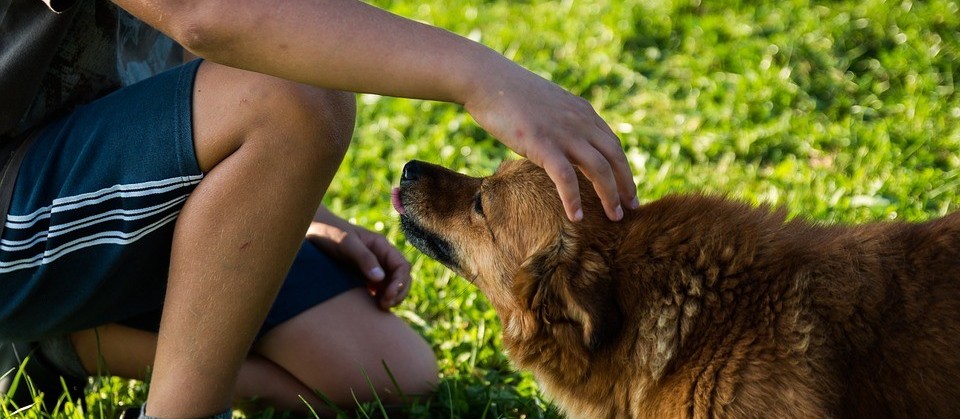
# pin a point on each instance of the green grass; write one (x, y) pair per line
(840, 111)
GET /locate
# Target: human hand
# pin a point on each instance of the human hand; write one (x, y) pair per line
(386, 269)
(353, 46)
(557, 131)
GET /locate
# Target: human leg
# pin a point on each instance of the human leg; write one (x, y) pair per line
(269, 149)
(317, 295)
(87, 238)
(124, 351)
(339, 345)
(322, 347)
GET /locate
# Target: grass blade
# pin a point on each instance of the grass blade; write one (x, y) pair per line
(310, 408)
(329, 402)
(376, 397)
(393, 380)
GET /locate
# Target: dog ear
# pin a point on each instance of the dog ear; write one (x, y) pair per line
(565, 288)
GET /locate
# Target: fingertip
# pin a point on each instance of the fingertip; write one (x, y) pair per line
(390, 297)
(634, 203)
(577, 215)
(616, 214)
(377, 274)
(574, 208)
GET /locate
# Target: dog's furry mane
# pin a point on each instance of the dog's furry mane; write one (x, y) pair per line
(696, 306)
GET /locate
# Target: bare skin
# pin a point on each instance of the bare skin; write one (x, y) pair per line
(371, 252)
(238, 232)
(331, 347)
(269, 148)
(349, 45)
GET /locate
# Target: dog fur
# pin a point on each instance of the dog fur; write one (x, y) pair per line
(696, 306)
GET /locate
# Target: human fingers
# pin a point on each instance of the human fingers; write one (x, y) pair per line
(611, 148)
(575, 143)
(598, 170)
(561, 172)
(600, 159)
(349, 246)
(404, 290)
(557, 131)
(397, 267)
(400, 283)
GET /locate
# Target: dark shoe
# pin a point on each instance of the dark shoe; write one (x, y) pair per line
(131, 413)
(44, 377)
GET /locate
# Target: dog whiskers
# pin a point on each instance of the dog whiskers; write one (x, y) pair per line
(461, 294)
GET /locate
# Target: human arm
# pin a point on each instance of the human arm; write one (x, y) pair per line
(349, 45)
(385, 268)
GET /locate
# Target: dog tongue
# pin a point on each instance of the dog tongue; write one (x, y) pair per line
(395, 199)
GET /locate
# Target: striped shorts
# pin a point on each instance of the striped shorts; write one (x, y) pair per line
(87, 238)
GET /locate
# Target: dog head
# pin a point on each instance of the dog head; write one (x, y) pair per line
(508, 234)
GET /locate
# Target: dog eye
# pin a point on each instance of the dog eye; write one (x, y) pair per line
(478, 204)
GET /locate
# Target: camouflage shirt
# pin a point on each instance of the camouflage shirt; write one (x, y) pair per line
(56, 55)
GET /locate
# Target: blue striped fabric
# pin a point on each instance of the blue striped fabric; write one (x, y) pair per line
(87, 237)
(118, 215)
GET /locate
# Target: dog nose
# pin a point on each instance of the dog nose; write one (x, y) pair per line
(411, 171)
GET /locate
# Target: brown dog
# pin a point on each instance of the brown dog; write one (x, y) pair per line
(695, 306)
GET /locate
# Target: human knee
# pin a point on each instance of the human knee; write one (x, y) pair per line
(236, 109)
(316, 122)
(414, 367)
(418, 383)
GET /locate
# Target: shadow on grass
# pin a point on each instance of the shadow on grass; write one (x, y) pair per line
(457, 397)
(491, 394)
